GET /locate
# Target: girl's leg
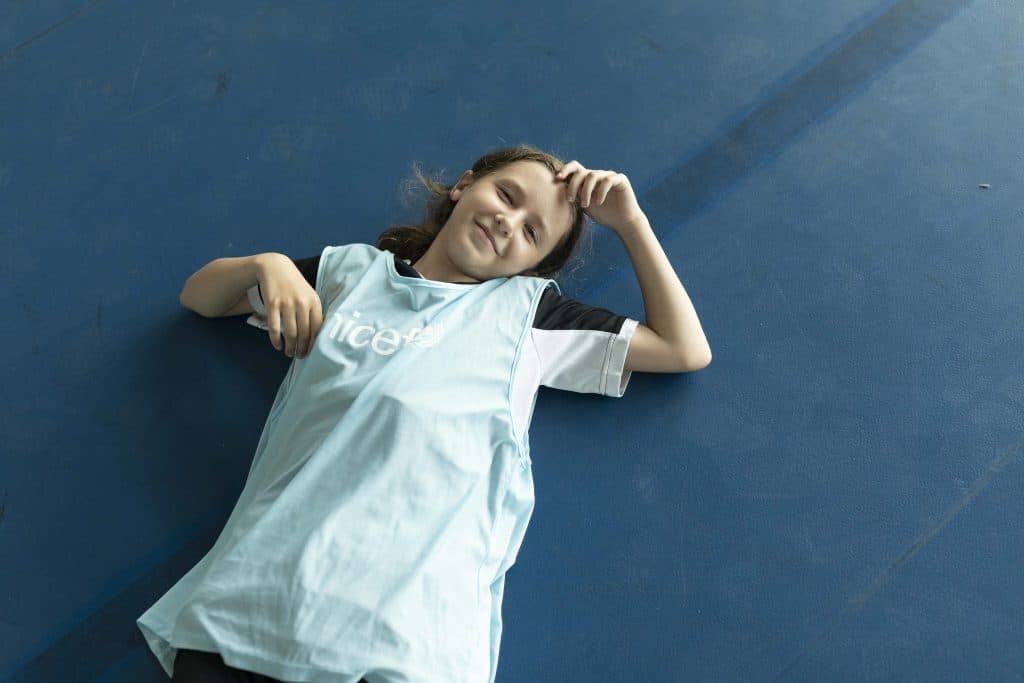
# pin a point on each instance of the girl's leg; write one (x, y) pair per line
(196, 666)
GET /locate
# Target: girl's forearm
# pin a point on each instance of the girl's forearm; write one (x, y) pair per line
(218, 285)
(669, 311)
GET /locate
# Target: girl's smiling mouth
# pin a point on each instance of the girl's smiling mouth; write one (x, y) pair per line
(488, 236)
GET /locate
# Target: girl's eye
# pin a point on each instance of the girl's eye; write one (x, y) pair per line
(508, 197)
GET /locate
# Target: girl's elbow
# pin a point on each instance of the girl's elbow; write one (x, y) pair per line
(694, 364)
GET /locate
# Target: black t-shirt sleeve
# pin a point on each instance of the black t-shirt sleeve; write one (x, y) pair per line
(557, 312)
(580, 347)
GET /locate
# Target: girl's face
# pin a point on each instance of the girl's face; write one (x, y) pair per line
(503, 224)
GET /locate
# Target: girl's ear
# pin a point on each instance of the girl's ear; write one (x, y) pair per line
(461, 184)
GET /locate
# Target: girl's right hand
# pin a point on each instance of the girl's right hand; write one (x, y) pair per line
(293, 307)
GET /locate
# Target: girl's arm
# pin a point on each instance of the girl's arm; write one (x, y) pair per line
(294, 311)
(672, 340)
(217, 286)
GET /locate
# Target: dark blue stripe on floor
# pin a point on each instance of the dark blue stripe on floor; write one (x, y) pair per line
(806, 96)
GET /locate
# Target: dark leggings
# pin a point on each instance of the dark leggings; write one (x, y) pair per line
(196, 666)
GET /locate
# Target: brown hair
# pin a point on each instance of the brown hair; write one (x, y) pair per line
(412, 241)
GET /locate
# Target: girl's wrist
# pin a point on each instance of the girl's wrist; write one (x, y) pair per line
(262, 262)
(634, 224)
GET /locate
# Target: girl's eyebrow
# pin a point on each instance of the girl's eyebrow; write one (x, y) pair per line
(515, 186)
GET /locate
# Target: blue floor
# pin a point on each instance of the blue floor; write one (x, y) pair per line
(836, 498)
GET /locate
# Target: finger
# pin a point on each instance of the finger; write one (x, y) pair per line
(568, 169)
(290, 331)
(301, 331)
(607, 185)
(570, 174)
(574, 185)
(274, 324)
(588, 188)
(303, 340)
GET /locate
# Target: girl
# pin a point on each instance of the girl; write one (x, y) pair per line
(391, 488)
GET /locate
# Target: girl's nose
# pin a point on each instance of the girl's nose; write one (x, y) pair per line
(502, 223)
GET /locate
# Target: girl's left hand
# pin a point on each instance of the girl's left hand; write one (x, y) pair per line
(605, 196)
